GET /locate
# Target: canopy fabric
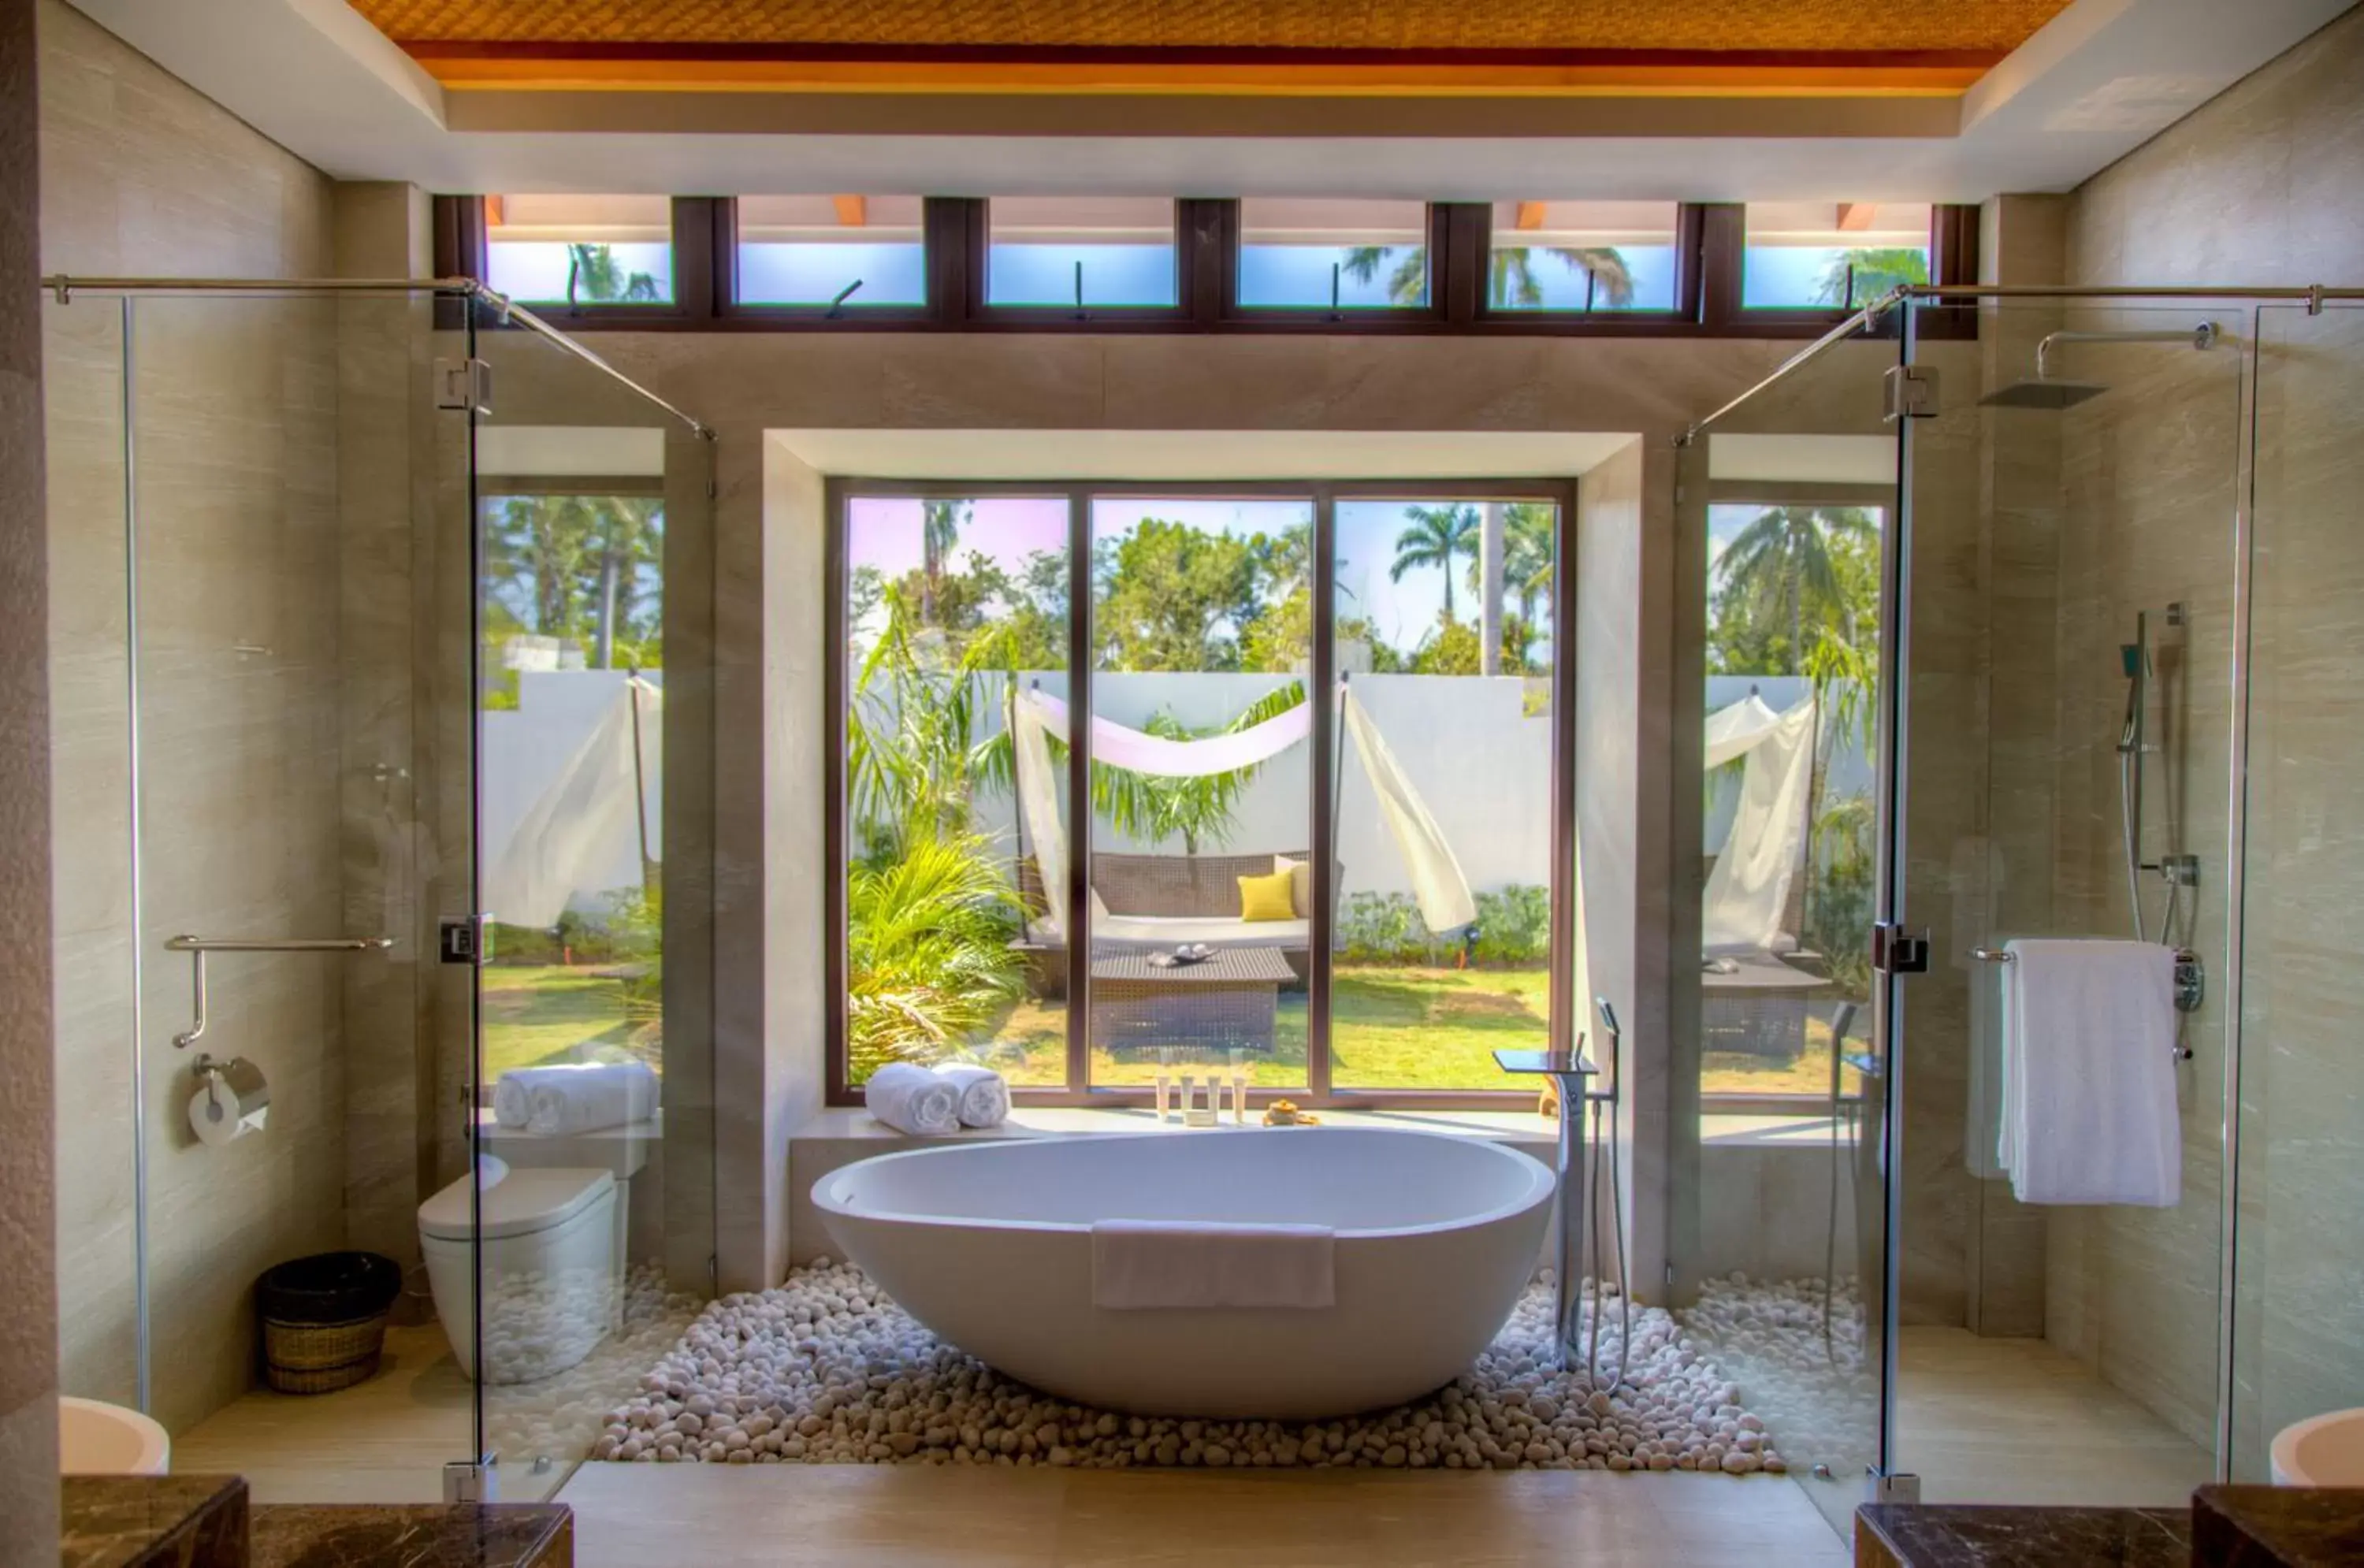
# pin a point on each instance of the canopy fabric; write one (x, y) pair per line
(586, 819)
(1137, 752)
(1438, 885)
(1749, 888)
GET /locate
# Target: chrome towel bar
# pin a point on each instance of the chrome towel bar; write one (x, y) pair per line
(2190, 983)
(198, 947)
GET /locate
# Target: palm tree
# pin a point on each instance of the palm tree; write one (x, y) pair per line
(1784, 556)
(591, 274)
(1514, 281)
(1408, 284)
(940, 527)
(538, 547)
(629, 533)
(1511, 268)
(1866, 274)
(1438, 534)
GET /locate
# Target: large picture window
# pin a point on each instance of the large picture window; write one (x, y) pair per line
(1269, 779)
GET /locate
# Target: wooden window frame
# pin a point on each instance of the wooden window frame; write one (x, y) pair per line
(1711, 242)
(1563, 1024)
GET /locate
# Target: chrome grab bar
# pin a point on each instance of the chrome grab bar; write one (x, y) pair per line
(198, 947)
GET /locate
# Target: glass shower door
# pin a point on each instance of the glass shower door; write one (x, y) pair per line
(591, 1088)
(2301, 1156)
(2067, 741)
(1779, 1223)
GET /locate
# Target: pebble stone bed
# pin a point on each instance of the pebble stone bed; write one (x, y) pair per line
(826, 1370)
(1823, 1399)
(563, 1414)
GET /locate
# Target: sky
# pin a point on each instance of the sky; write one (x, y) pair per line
(885, 534)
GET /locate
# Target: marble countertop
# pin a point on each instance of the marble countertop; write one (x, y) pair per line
(2287, 1527)
(1951, 1536)
(115, 1521)
(488, 1535)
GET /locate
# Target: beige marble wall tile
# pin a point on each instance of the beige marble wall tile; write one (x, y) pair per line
(28, 1346)
(235, 408)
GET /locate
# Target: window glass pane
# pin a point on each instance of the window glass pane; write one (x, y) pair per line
(1583, 256)
(1120, 249)
(1358, 254)
(1436, 968)
(1831, 255)
(1201, 616)
(955, 610)
(580, 250)
(1792, 661)
(810, 250)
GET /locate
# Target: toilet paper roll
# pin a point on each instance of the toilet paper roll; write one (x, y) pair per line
(232, 1100)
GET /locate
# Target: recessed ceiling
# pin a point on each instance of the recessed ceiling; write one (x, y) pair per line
(1992, 28)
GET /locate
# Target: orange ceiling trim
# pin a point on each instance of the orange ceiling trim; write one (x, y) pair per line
(1837, 26)
(481, 73)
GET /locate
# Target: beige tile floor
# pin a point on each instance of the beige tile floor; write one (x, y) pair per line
(628, 1516)
(2017, 1421)
(1980, 1420)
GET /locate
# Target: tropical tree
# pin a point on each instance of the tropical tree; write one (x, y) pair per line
(940, 526)
(927, 950)
(1174, 597)
(1438, 535)
(1510, 272)
(592, 274)
(1855, 276)
(1786, 563)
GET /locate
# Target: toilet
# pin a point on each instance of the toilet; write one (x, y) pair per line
(551, 1266)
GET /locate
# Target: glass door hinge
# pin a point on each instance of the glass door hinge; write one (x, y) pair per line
(470, 1481)
(1903, 1487)
(1911, 392)
(464, 384)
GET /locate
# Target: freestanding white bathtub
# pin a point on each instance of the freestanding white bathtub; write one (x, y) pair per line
(989, 1244)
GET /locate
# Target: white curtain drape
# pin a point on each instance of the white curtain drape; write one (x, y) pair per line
(1438, 885)
(1749, 887)
(585, 821)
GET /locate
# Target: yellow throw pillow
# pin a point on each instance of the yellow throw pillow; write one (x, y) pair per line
(1265, 897)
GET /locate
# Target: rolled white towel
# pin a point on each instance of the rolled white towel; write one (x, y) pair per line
(572, 1097)
(912, 1099)
(513, 1099)
(984, 1094)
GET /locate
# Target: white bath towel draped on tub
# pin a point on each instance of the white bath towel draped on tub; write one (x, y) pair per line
(1149, 1263)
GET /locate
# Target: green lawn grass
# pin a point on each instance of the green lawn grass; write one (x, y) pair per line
(1394, 1028)
(540, 1013)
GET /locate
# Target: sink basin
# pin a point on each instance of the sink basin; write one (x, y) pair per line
(95, 1438)
(2327, 1451)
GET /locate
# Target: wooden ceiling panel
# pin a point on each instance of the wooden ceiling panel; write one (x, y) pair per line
(1832, 29)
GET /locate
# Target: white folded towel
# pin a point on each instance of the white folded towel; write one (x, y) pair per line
(513, 1099)
(913, 1100)
(570, 1097)
(1139, 1263)
(984, 1094)
(2089, 1112)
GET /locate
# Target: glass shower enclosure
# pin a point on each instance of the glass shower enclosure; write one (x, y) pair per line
(2058, 586)
(294, 660)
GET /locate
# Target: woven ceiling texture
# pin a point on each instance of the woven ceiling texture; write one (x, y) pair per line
(1824, 26)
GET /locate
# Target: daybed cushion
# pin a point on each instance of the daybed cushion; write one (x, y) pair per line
(1169, 930)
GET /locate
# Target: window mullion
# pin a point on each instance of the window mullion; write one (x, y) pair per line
(1324, 848)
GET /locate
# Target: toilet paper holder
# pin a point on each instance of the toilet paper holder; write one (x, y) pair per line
(239, 1082)
(198, 947)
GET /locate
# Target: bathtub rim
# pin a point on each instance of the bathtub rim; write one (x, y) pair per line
(1544, 1184)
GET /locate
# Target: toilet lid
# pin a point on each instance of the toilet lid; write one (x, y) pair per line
(523, 1201)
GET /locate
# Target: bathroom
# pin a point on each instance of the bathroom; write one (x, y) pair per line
(298, 695)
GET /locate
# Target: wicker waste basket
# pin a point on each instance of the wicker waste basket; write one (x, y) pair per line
(324, 1320)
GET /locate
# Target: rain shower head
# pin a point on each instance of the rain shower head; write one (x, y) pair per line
(2045, 391)
(2043, 394)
